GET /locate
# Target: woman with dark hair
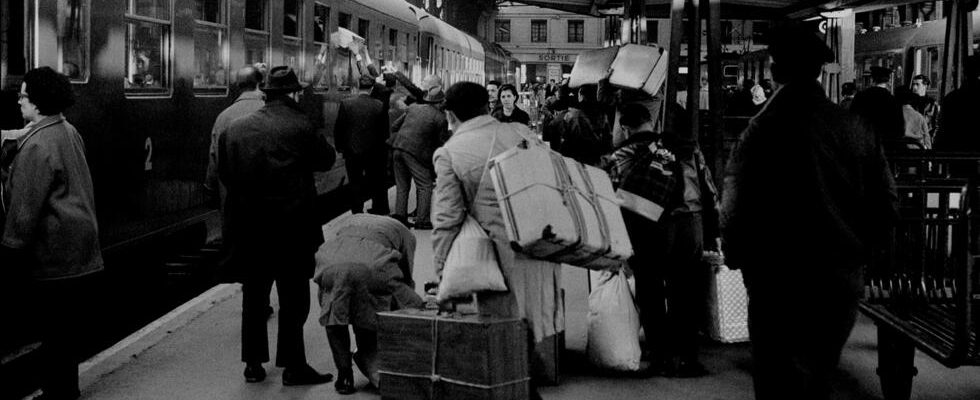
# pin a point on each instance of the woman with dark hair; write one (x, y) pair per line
(50, 231)
(508, 111)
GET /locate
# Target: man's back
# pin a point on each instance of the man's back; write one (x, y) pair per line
(362, 124)
(805, 180)
(422, 130)
(267, 163)
(879, 108)
(959, 114)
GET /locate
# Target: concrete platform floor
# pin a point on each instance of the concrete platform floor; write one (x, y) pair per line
(201, 360)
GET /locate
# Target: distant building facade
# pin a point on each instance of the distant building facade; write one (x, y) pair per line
(546, 42)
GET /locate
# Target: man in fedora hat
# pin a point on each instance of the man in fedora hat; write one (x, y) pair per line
(266, 161)
(807, 196)
(880, 109)
(415, 137)
(360, 134)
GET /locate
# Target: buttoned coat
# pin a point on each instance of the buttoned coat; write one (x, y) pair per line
(362, 125)
(463, 186)
(266, 161)
(245, 104)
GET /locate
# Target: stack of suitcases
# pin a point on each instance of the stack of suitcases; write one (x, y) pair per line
(634, 67)
(424, 355)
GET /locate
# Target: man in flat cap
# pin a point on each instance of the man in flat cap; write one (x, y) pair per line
(880, 110)
(360, 133)
(807, 195)
(266, 161)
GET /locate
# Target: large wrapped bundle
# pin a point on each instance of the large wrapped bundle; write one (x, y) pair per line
(729, 306)
(558, 209)
(424, 355)
(634, 67)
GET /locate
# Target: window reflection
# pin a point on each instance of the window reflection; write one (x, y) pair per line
(159, 9)
(209, 10)
(256, 49)
(73, 38)
(321, 19)
(209, 60)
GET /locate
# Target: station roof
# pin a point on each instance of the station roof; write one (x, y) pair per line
(735, 9)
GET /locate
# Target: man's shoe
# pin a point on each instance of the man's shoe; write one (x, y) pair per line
(304, 375)
(345, 385)
(254, 373)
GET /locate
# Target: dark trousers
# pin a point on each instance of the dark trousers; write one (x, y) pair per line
(671, 285)
(368, 175)
(799, 320)
(408, 168)
(294, 307)
(343, 357)
(58, 312)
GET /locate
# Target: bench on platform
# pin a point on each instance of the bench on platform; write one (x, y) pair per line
(922, 296)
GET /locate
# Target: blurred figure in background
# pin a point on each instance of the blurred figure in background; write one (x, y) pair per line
(924, 104)
(960, 113)
(879, 108)
(51, 232)
(493, 88)
(847, 91)
(580, 139)
(916, 126)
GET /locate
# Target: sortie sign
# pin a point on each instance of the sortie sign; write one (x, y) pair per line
(556, 57)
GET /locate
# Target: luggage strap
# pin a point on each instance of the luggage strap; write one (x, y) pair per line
(568, 191)
(436, 378)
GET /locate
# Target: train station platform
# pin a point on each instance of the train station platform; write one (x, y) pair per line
(193, 353)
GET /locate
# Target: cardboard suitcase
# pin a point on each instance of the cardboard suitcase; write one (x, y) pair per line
(558, 209)
(634, 66)
(729, 307)
(423, 355)
(590, 66)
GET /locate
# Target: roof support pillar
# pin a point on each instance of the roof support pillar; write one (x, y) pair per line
(957, 46)
(694, 68)
(715, 100)
(673, 60)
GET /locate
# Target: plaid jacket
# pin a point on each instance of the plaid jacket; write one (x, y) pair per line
(642, 176)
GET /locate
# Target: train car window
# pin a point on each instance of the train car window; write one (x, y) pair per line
(73, 39)
(343, 20)
(292, 55)
(321, 22)
(256, 15)
(393, 48)
(934, 65)
(148, 48)
(210, 44)
(256, 32)
(501, 32)
(291, 17)
(156, 9)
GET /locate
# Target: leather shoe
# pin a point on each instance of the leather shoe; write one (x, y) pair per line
(345, 385)
(304, 375)
(254, 373)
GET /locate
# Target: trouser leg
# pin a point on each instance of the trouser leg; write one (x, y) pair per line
(376, 171)
(255, 332)
(339, 338)
(294, 308)
(403, 182)
(424, 175)
(650, 294)
(687, 283)
(367, 351)
(354, 164)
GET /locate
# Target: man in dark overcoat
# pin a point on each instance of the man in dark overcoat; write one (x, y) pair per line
(360, 134)
(807, 196)
(880, 110)
(266, 162)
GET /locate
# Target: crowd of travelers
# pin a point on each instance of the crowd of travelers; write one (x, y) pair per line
(265, 149)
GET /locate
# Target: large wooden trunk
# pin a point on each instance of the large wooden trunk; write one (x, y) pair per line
(423, 355)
